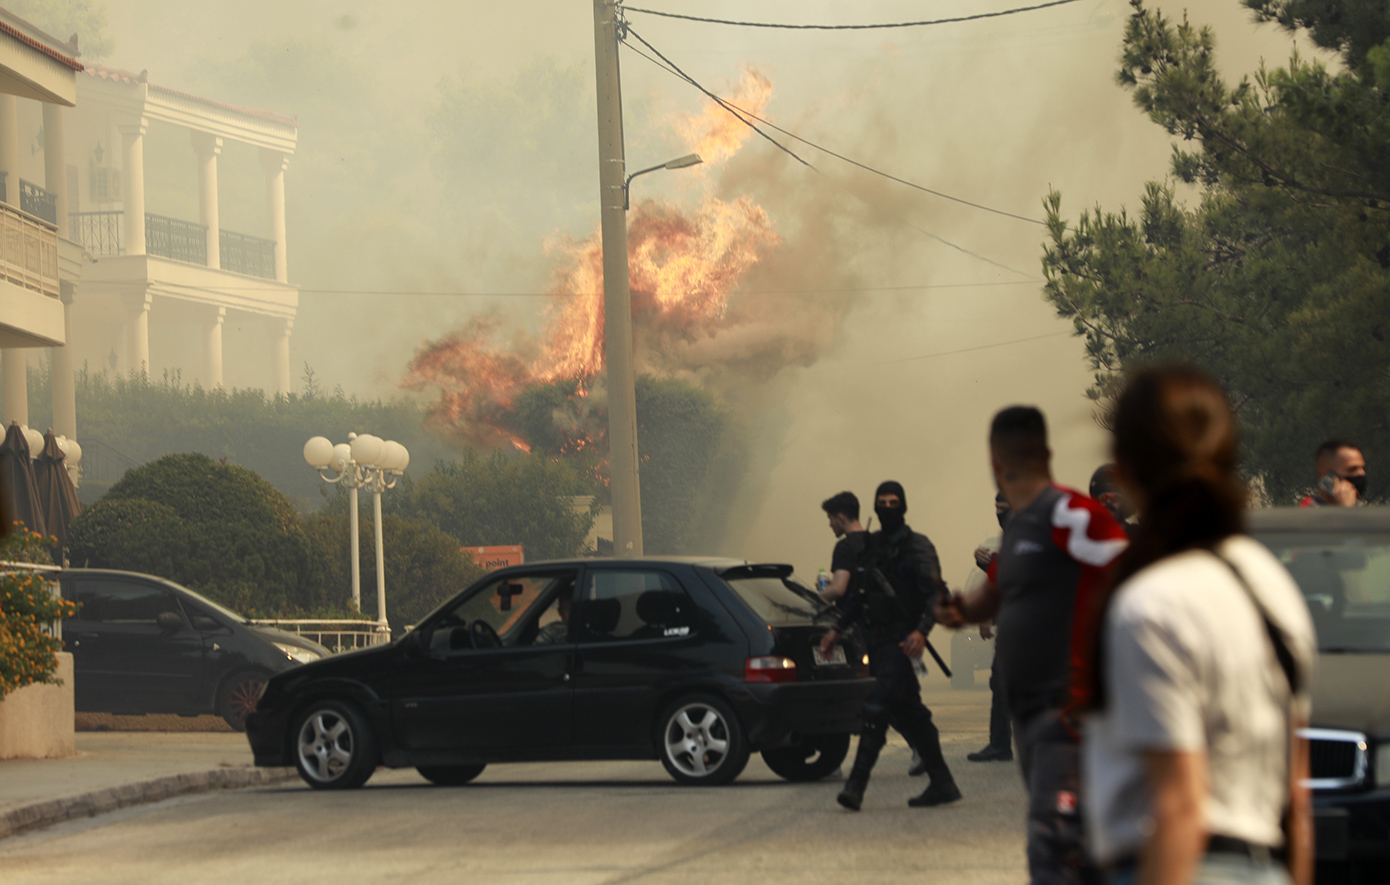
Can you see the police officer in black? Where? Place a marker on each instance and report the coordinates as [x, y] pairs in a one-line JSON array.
[[891, 596]]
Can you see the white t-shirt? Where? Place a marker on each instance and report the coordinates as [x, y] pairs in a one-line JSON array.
[[1189, 666]]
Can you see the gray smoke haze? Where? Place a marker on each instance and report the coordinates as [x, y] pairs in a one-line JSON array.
[[442, 145]]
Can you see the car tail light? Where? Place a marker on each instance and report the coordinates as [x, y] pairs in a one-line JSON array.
[[864, 665], [769, 668]]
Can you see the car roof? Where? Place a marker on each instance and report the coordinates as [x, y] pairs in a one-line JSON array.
[[1319, 519], [714, 563]]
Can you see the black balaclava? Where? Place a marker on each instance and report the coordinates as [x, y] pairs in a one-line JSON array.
[[890, 518], [1358, 483]]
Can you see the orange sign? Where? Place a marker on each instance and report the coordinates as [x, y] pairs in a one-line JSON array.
[[493, 558]]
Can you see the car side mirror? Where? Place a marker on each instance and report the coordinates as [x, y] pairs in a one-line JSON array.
[[169, 622]]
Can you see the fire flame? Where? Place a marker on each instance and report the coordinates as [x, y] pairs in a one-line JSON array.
[[683, 267]]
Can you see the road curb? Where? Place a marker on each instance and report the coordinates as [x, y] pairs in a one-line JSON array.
[[56, 811]]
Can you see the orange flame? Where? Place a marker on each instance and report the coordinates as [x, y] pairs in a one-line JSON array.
[[717, 134]]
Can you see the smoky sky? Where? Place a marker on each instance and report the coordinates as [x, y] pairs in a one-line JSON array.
[[443, 145]]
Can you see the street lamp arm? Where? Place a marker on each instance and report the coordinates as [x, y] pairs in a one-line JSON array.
[[677, 163]]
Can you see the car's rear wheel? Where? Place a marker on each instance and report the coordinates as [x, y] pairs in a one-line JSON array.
[[334, 747], [238, 696], [450, 775], [809, 759], [701, 741]]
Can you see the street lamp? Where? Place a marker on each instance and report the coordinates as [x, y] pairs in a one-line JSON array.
[[363, 462], [677, 163]]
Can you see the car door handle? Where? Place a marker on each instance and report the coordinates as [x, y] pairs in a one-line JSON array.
[[567, 677], [87, 635]]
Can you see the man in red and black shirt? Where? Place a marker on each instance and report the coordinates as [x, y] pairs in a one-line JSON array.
[[1042, 589]]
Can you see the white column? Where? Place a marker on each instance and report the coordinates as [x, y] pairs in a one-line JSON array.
[[55, 168], [275, 163], [280, 354], [212, 347], [64, 382], [207, 147], [9, 147], [15, 365], [133, 186], [138, 336]]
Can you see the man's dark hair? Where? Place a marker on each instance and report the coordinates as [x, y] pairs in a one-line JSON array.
[[845, 504], [1018, 436], [1332, 447]]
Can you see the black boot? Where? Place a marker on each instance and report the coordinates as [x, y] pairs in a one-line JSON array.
[[943, 790], [871, 741]]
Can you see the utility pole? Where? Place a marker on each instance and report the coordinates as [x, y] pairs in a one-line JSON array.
[[617, 296]]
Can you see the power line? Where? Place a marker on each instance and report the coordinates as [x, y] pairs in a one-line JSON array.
[[927, 356], [947, 242], [731, 107], [627, 29], [916, 24]]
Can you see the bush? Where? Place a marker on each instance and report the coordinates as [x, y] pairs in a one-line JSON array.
[[482, 502], [213, 527], [28, 654]]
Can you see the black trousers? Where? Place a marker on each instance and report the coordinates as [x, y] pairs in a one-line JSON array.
[[1050, 759], [897, 698]]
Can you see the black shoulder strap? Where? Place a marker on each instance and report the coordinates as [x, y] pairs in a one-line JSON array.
[[1276, 635]]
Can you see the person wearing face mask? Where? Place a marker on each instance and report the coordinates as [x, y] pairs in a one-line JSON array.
[[1341, 475], [892, 595]]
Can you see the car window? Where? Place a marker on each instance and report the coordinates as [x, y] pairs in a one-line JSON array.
[[1345, 579], [508, 605], [199, 618], [123, 602], [618, 604], [779, 602]]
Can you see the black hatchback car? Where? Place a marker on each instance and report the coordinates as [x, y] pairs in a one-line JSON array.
[[141, 644], [697, 662]]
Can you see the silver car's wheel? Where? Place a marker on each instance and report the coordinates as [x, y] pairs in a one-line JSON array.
[[702, 741], [334, 746]]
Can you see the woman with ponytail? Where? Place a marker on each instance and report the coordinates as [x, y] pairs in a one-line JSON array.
[[1191, 766]]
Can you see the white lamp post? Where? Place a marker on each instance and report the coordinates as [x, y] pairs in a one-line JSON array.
[[364, 461]]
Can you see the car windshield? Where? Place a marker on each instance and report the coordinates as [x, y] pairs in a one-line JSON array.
[[1345, 580], [208, 603], [779, 602]]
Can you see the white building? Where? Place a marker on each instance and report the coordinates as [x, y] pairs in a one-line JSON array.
[[39, 269], [170, 283]]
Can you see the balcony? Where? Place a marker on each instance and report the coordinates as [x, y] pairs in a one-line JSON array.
[[28, 251], [100, 234], [33, 199]]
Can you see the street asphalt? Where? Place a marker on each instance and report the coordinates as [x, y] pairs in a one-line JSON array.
[[596, 822]]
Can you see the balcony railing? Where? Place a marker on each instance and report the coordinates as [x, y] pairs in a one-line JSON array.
[[252, 256], [38, 202], [179, 240], [28, 251], [100, 234]]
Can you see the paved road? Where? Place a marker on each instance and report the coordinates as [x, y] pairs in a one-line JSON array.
[[606, 822]]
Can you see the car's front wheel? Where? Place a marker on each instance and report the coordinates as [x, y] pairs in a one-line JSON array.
[[701, 741], [450, 775], [334, 747], [238, 696], [809, 759]]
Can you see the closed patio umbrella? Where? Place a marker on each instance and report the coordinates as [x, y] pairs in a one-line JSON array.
[[57, 495], [20, 499]]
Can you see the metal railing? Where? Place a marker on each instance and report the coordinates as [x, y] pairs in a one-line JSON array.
[[97, 232], [38, 202], [336, 636], [28, 251], [252, 256], [104, 463], [176, 239]]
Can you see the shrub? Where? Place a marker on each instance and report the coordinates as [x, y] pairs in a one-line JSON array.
[[216, 528], [28, 653]]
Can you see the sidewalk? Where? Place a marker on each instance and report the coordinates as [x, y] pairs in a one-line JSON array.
[[118, 769]]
